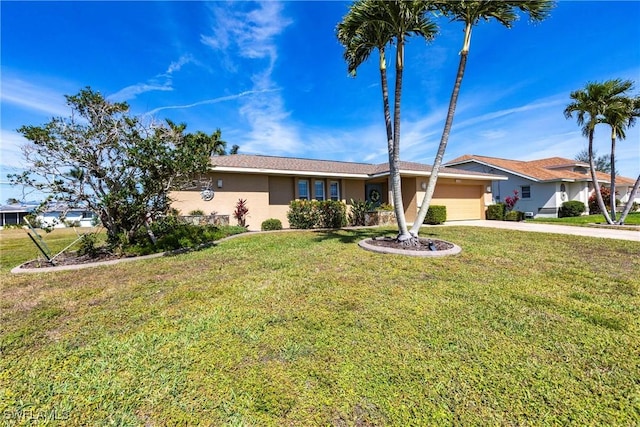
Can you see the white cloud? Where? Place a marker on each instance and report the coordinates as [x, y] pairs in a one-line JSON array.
[[250, 35], [30, 96], [208, 101], [161, 82]]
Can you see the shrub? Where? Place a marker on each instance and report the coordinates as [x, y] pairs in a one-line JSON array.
[[606, 198], [197, 212], [514, 216], [358, 210], [571, 208], [436, 215], [241, 212], [88, 245], [307, 214], [333, 214], [302, 214], [510, 202], [271, 224], [496, 212], [385, 207]]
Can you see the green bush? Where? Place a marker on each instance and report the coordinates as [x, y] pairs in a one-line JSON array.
[[385, 207], [571, 209], [358, 210], [197, 212], [496, 212], [333, 214], [88, 245], [271, 224], [302, 214], [306, 214], [436, 215], [514, 216], [171, 234]]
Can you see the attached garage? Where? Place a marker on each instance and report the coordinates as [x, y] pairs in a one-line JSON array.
[[462, 201]]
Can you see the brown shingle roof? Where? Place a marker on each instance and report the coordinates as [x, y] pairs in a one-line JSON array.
[[260, 163], [549, 169]]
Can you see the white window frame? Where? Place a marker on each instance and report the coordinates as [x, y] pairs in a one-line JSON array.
[[337, 187], [302, 196], [320, 196]]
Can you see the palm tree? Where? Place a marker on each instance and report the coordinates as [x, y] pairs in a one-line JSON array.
[[470, 13], [590, 105], [620, 115], [371, 25]]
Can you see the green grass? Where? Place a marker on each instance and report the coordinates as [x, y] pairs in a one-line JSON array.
[[632, 219], [307, 329]]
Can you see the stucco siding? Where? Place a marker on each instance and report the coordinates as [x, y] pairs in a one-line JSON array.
[[409, 198]]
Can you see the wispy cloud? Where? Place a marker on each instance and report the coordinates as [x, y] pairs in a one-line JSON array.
[[30, 96], [210, 101], [244, 32], [160, 82]]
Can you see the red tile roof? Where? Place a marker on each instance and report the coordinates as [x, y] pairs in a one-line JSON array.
[[549, 169]]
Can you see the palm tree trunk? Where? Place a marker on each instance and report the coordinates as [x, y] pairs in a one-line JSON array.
[[594, 179], [394, 152], [612, 202], [444, 139], [632, 197]]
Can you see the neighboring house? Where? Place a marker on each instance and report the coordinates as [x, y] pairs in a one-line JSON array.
[[15, 213], [269, 184], [543, 185]]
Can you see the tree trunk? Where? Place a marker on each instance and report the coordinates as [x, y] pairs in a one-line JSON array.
[[612, 202], [394, 152], [594, 179], [444, 139], [632, 197]]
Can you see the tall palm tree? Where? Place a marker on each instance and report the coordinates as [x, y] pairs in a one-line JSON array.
[[590, 105], [620, 115], [374, 24], [470, 13]]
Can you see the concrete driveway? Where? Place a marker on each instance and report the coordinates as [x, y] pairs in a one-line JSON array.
[[602, 232]]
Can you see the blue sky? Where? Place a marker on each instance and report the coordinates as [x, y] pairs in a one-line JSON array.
[[271, 76]]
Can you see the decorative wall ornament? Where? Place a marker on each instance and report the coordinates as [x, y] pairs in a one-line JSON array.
[[207, 194]]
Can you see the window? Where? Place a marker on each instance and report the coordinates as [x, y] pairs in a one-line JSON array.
[[526, 192], [334, 190], [319, 190], [303, 189]]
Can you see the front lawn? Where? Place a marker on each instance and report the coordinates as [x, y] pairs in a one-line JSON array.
[[632, 219], [305, 328]]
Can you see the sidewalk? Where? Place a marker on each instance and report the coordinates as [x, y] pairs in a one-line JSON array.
[[602, 232]]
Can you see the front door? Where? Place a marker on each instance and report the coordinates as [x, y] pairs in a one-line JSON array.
[[374, 194]]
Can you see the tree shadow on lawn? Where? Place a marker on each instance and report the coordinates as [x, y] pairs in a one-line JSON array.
[[354, 235]]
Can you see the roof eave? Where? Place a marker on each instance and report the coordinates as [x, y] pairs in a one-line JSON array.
[[266, 171]]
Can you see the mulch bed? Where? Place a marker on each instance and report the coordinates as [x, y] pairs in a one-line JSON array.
[[71, 258], [423, 244]]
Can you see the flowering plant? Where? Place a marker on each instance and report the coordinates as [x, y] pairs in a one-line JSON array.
[[510, 202]]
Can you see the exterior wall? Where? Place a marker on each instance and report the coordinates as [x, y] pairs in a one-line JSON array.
[[352, 189], [281, 193], [270, 196], [253, 188], [53, 219], [409, 199]]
